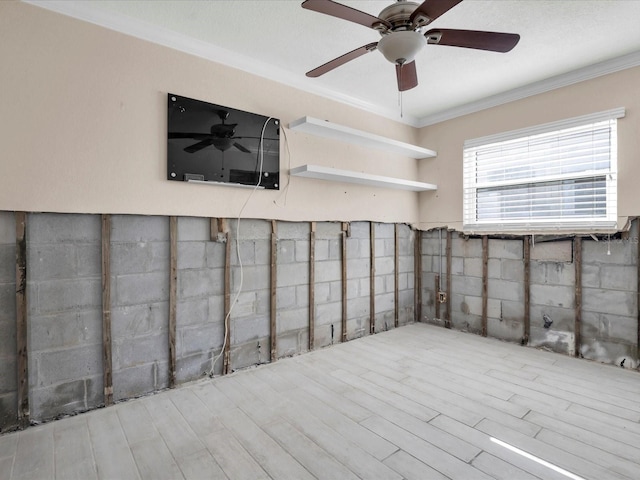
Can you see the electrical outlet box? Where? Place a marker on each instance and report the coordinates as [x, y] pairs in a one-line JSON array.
[[442, 297]]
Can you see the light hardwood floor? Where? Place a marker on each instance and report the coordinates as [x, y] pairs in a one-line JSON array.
[[419, 402]]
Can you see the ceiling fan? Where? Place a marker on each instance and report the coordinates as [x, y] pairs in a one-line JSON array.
[[402, 28], [221, 136]]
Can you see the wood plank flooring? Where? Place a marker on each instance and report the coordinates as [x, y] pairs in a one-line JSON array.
[[419, 402]]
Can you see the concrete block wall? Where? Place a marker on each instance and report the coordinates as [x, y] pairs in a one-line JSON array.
[[359, 283], [65, 311], [328, 283], [292, 288], [64, 308], [609, 272], [385, 278], [139, 304], [8, 377], [406, 274], [200, 300]]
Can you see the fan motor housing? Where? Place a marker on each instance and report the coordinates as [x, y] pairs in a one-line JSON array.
[[398, 15]]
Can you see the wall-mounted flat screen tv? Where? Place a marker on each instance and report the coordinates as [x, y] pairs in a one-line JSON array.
[[213, 143]]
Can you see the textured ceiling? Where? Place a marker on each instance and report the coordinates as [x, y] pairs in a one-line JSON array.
[[282, 41]]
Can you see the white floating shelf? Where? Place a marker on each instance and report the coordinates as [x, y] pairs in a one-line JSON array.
[[327, 129], [336, 175]]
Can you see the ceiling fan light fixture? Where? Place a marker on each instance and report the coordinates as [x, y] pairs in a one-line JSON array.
[[401, 47]]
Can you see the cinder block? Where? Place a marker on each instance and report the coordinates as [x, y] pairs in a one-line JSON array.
[[616, 252], [613, 302], [384, 265], [141, 288], [191, 255], [358, 268], [202, 338], [504, 290], [335, 249], [251, 229], [194, 229], [561, 251], [328, 230], [467, 285], [60, 295], [360, 230], [509, 330], [457, 266], [558, 341], [8, 305], [286, 297], [89, 260], [384, 302], [127, 258], [286, 251], [195, 366], [8, 412], [328, 271], [248, 354], [66, 365], [48, 262], [200, 283], [385, 230], [294, 230], [7, 263], [193, 312], [140, 379], [328, 313], [136, 228], [460, 247], [358, 307], [494, 268], [67, 329], [506, 249], [406, 264], [292, 343], [473, 267], [553, 295], [552, 273], [591, 275], [321, 250], [291, 274], [353, 291], [512, 270], [609, 352], [563, 318], [302, 251], [56, 228], [139, 320], [619, 277], [8, 377], [128, 352], [249, 329], [291, 320], [65, 398], [215, 254], [254, 277], [512, 311], [247, 252]]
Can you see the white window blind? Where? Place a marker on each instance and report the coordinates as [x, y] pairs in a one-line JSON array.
[[560, 176]]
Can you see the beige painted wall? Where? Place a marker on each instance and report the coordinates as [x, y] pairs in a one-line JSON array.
[[83, 129], [622, 89]]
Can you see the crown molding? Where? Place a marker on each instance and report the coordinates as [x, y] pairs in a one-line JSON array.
[[81, 10], [596, 70]]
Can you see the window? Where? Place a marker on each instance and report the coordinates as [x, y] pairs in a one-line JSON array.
[[558, 176]]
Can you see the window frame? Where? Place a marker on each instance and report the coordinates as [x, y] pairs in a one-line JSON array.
[[529, 224]]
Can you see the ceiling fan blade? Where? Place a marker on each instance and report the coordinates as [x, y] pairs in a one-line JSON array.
[[341, 60], [194, 136], [196, 147], [493, 41], [407, 76], [241, 148], [328, 7], [432, 9]]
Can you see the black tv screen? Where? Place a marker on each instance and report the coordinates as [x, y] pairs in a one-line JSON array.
[[213, 143]]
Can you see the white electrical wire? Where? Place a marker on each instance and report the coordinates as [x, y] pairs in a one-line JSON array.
[[228, 315]]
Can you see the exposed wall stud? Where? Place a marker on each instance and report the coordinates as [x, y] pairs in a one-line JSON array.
[[447, 318], [274, 282], [21, 319], [577, 260], [436, 296], [527, 291], [345, 232], [312, 285], [637, 240], [372, 278], [173, 289], [417, 271], [396, 263], [485, 283], [226, 348], [107, 366]]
